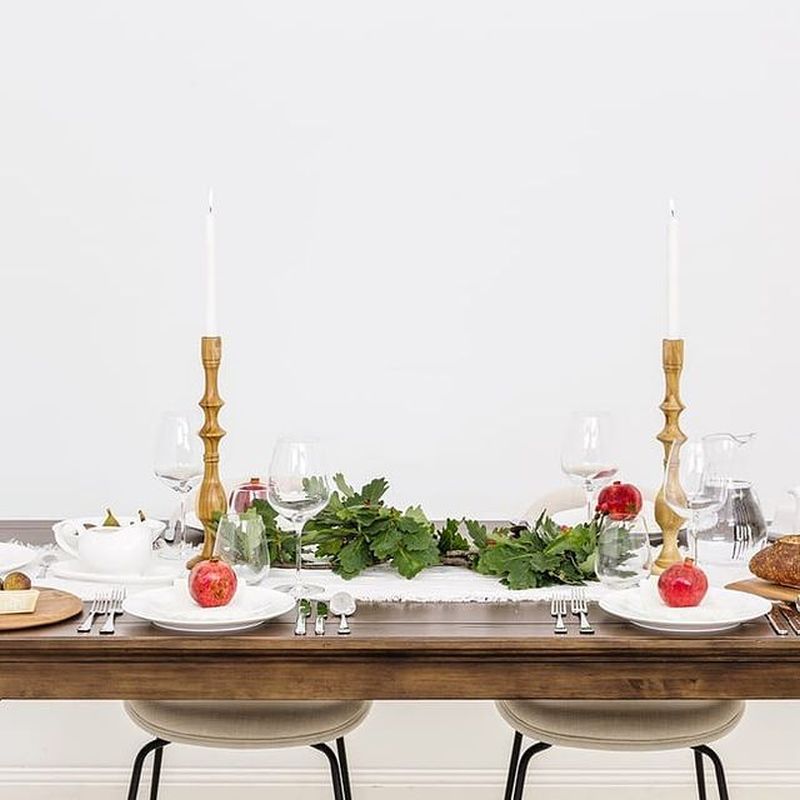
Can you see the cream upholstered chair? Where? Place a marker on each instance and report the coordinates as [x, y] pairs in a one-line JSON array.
[[619, 725], [614, 725], [251, 724]]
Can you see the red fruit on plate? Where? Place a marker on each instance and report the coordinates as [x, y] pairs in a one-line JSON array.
[[242, 496], [212, 583], [683, 585], [621, 502]]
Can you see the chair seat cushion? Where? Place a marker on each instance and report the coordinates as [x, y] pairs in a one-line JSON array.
[[623, 724], [248, 723]]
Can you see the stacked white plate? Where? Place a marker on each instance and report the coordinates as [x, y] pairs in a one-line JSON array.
[[160, 572], [720, 610], [14, 556], [173, 608]]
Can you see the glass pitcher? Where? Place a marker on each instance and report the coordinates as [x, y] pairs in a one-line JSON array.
[[739, 529]]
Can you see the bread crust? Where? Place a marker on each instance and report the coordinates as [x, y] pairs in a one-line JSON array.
[[780, 562]]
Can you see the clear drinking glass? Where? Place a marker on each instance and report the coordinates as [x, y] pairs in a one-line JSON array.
[[178, 463], [241, 542], [587, 455], [700, 490], [298, 488], [623, 554]]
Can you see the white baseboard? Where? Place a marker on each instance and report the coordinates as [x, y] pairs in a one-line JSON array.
[[248, 784]]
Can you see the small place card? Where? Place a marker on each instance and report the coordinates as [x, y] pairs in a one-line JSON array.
[[18, 602]]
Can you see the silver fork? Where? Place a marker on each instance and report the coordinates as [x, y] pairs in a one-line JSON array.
[[580, 608], [114, 610], [97, 609], [741, 534], [558, 608]]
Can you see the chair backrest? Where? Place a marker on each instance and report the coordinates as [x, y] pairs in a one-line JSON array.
[[567, 498]]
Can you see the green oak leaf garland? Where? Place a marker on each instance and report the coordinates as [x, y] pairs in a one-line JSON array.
[[357, 530]]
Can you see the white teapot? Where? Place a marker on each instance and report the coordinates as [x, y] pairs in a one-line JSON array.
[[123, 550]]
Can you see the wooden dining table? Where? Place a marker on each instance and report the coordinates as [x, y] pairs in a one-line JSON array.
[[409, 650]]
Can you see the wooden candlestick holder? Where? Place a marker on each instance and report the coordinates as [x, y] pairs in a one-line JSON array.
[[212, 498], [672, 406]]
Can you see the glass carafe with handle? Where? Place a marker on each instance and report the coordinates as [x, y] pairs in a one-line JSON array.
[[740, 529]]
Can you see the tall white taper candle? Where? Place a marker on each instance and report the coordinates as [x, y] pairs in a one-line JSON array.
[[673, 285], [211, 270]]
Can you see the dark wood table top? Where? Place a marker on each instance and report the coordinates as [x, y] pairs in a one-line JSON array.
[[396, 651]]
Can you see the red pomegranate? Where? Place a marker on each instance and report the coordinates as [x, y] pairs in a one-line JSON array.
[[621, 502], [212, 583], [242, 496], [683, 585]]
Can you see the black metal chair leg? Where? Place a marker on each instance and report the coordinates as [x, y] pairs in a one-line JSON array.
[[138, 763], [155, 777], [512, 765], [336, 776], [700, 771], [344, 769], [522, 769], [719, 770]]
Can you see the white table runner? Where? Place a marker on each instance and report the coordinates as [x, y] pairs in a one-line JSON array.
[[382, 584]]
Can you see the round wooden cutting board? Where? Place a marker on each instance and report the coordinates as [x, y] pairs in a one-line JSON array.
[[53, 605]]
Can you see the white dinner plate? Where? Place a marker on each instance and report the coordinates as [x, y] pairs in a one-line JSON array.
[[720, 610], [14, 556], [160, 572], [173, 608]]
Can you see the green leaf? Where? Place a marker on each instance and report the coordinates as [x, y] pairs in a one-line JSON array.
[[411, 562], [450, 538], [477, 532], [341, 484], [353, 558], [385, 543], [372, 492]]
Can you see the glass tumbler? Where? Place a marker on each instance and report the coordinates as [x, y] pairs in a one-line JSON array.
[[623, 555], [241, 542]]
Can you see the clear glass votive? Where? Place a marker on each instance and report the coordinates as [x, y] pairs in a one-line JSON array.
[[623, 554], [241, 542]]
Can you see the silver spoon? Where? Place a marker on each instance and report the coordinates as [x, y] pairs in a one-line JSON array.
[[343, 605]]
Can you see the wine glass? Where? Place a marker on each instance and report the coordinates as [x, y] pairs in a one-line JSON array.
[[694, 486], [178, 463], [298, 488], [586, 456], [242, 543]]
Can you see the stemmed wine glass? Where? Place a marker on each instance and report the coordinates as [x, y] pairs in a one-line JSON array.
[[298, 488], [586, 455], [178, 463], [701, 487]]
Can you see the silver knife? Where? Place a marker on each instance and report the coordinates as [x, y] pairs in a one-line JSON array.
[[303, 612], [792, 617], [776, 625], [322, 618]]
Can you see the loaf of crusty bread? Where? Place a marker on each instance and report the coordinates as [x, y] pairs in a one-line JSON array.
[[780, 562]]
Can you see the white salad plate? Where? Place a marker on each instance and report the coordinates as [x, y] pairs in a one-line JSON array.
[[14, 556], [160, 572], [173, 608], [720, 610]]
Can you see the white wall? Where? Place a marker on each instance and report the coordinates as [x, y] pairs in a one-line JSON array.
[[441, 228]]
